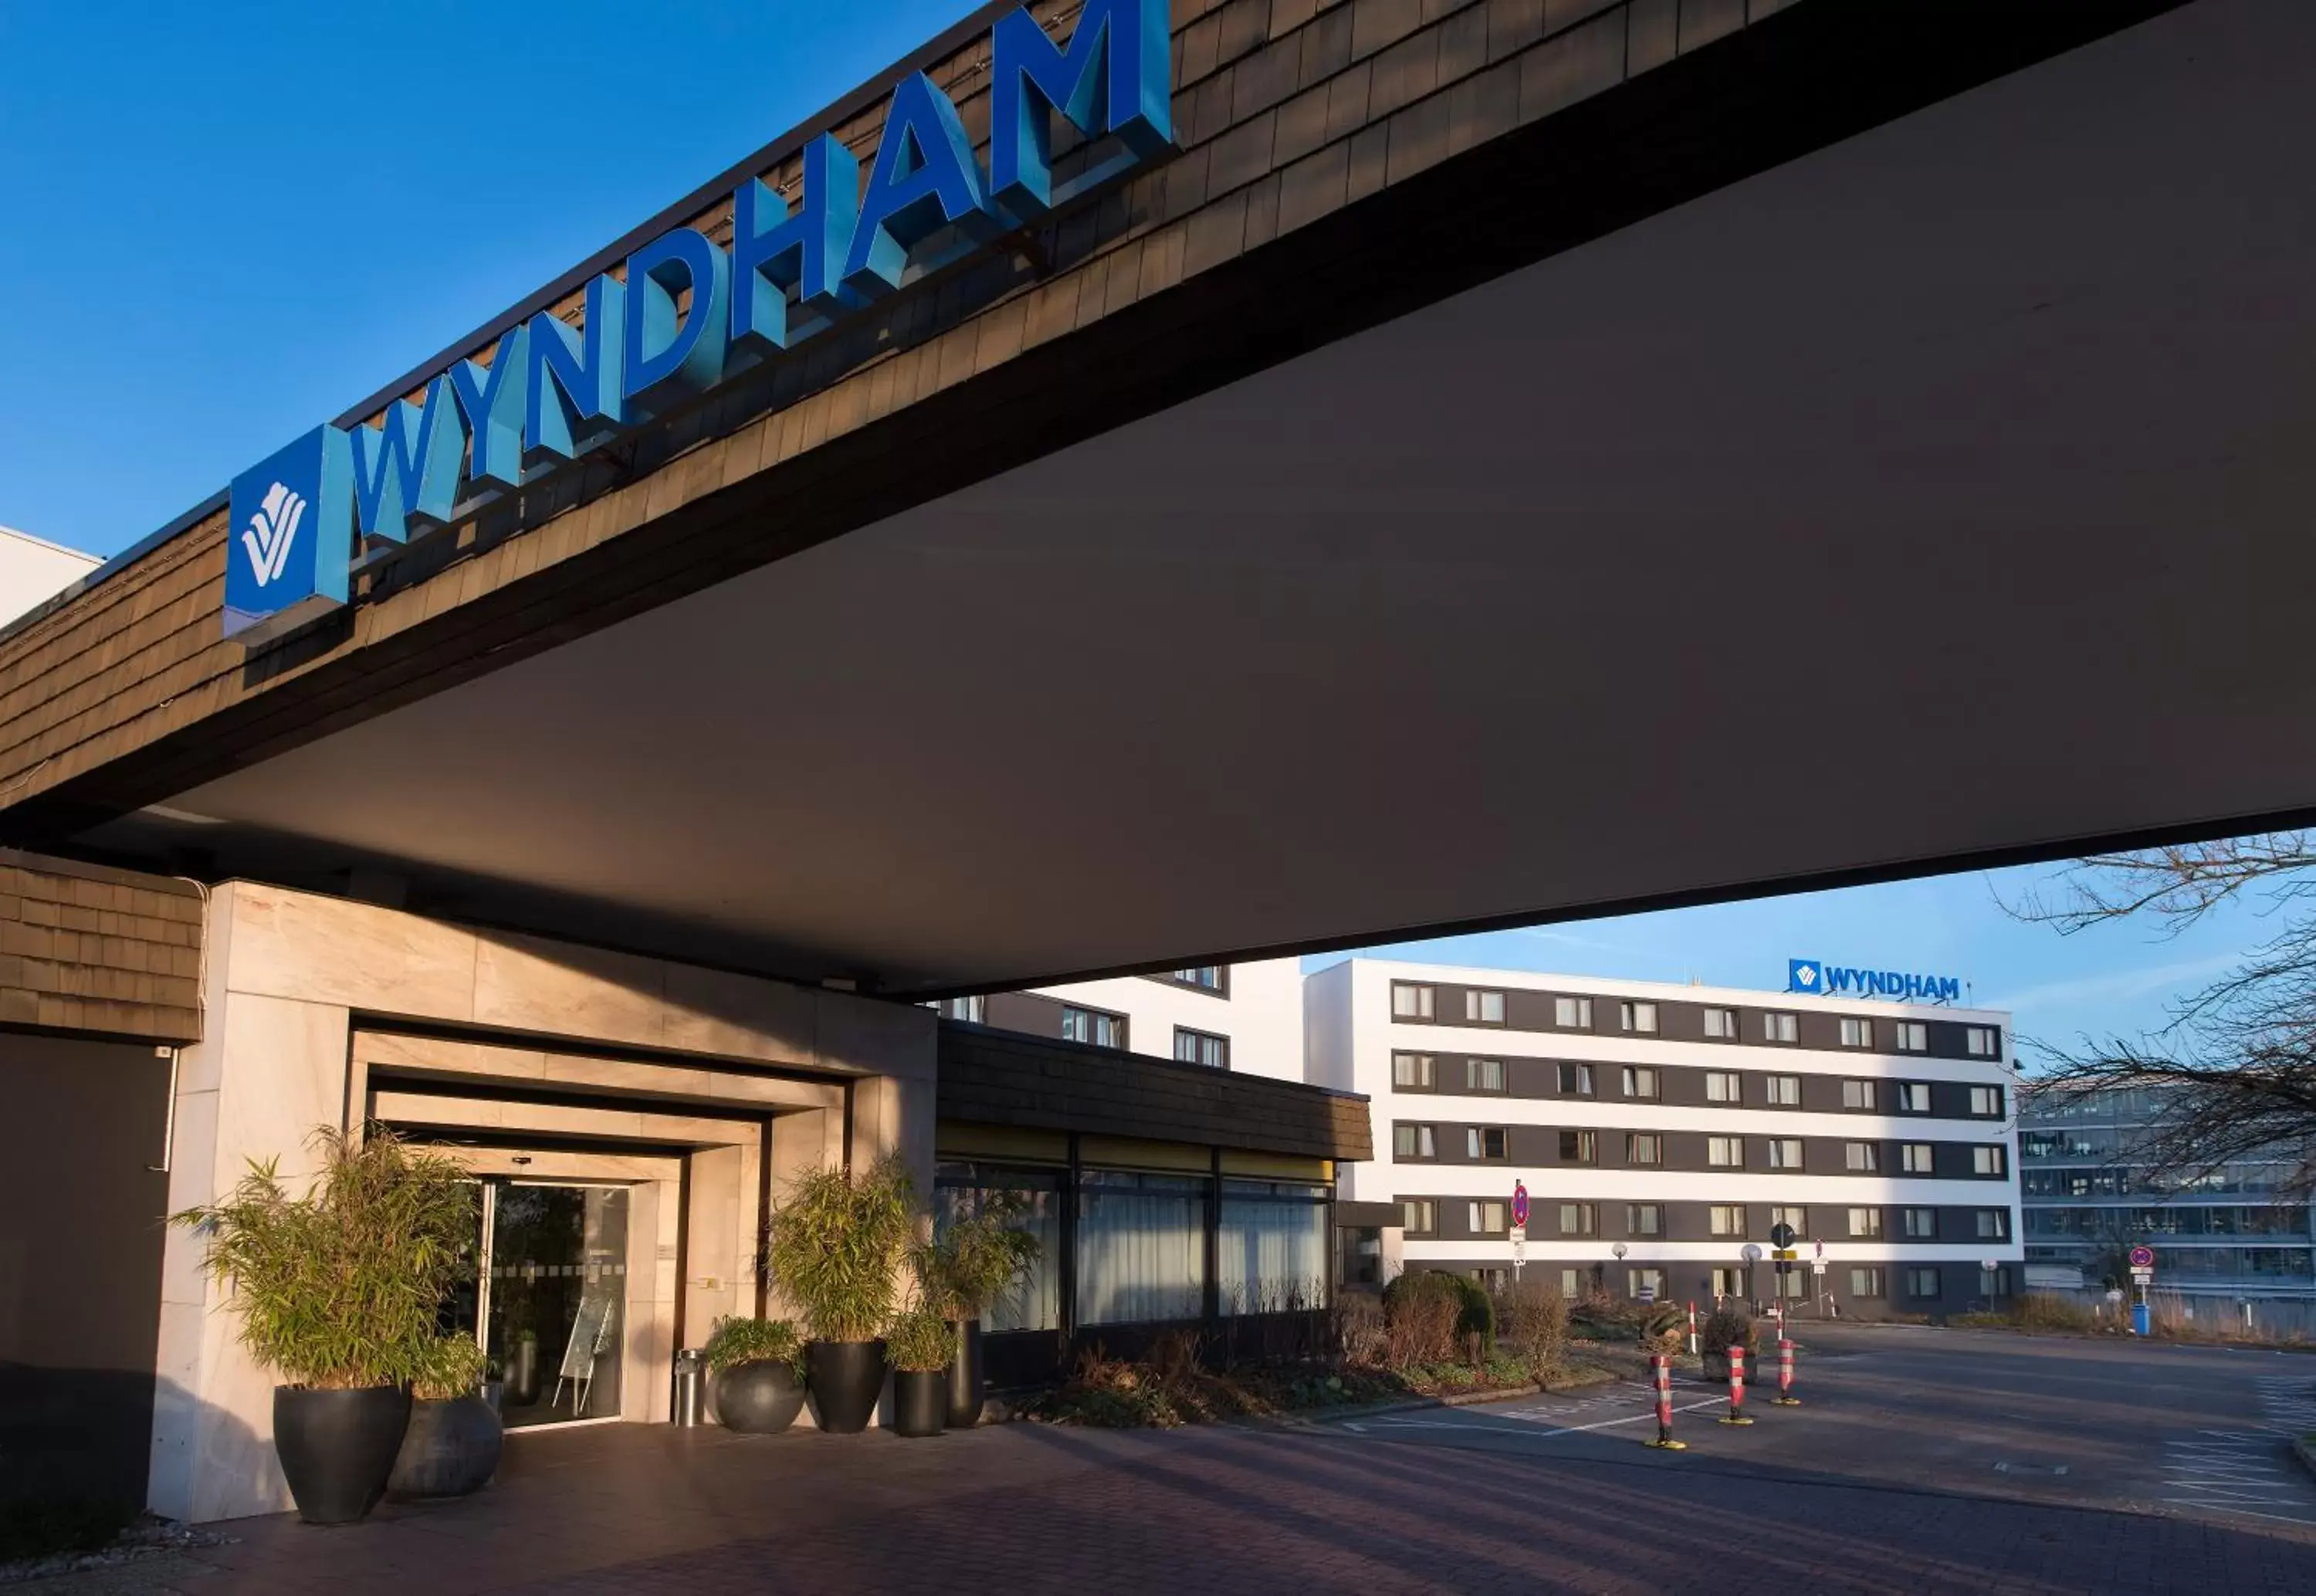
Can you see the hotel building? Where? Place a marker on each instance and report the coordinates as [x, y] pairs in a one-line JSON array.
[[1661, 1130]]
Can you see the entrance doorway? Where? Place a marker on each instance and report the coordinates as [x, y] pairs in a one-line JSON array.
[[551, 1306]]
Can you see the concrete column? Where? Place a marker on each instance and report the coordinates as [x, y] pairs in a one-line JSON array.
[[265, 1074]]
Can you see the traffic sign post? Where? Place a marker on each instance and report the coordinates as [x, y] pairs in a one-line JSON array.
[[1519, 1228], [2143, 1275]]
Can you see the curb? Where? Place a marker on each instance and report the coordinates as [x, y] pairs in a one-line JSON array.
[[2305, 1452], [1374, 1410]]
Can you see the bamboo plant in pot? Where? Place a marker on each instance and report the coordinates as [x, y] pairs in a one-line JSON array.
[[758, 1369], [978, 1256], [922, 1345], [835, 1245], [337, 1291], [452, 1445]]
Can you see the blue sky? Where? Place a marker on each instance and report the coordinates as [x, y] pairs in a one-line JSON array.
[[238, 220]]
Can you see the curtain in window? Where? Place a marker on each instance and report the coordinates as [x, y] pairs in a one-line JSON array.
[[1272, 1250], [962, 1189], [1142, 1247]]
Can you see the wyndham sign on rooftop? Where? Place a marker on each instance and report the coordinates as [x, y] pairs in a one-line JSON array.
[[552, 393], [1819, 978]]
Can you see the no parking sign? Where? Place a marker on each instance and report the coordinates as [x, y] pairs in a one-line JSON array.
[[1519, 1204]]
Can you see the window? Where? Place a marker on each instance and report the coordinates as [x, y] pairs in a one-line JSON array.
[[1986, 1102], [1785, 1152], [1865, 1222], [1572, 1014], [1725, 1152], [1798, 1218], [1858, 1033], [1409, 1002], [1576, 1080], [1484, 1008], [1649, 1283], [1921, 1224], [1792, 1283], [973, 1009], [1484, 1143], [1493, 1278], [1865, 1282], [1726, 1218], [1412, 1141], [1637, 1017], [1994, 1282], [1994, 1224], [1572, 1282], [1782, 1091], [1091, 1024], [1413, 1071], [1419, 1216], [1579, 1147], [1912, 1036], [1141, 1246], [1919, 1157], [1645, 1218], [1728, 1282], [1723, 1086], [1721, 1024], [1580, 1219], [1921, 1283], [1857, 1093], [1780, 1027], [1981, 1041], [1488, 1217], [1271, 1246], [1484, 1075], [1207, 978], [1201, 1047], [1861, 1158], [1643, 1148], [1913, 1097], [1640, 1082], [1987, 1160]]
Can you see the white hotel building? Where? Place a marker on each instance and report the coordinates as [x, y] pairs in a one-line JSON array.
[[1677, 1124]]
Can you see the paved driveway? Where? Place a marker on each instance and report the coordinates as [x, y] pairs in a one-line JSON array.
[[1829, 1496]]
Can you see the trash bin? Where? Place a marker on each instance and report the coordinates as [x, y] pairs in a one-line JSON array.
[[690, 1386]]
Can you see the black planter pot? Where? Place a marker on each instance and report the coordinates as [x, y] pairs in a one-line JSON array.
[[338, 1448], [759, 1397], [965, 1390], [451, 1449], [920, 1401], [847, 1377]]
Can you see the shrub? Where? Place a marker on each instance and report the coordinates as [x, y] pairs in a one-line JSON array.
[[2041, 1311], [1726, 1328], [921, 1341], [1420, 1311], [1532, 1324], [1362, 1336], [451, 1366], [836, 1245], [1476, 1319], [978, 1256], [736, 1340], [339, 1289]]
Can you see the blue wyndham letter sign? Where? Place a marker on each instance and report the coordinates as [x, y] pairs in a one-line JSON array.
[[288, 541], [687, 312]]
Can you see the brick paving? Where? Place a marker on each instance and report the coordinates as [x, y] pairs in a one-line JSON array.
[[633, 1512]]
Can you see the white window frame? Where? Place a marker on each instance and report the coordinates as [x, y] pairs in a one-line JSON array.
[[1583, 1076], [1909, 1036], [1422, 1141], [1641, 1083], [1725, 1152], [1634, 1145], [1728, 1083], [1484, 1209], [1483, 1007], [1920, 1224], [1860, 1094], [1637, 1017], [1782, 1091], [1477, 1070], [1777, 1026], [1788, 1154], [1918, 1157], [1865, 1224], [1862, 1157], [1725, 1220], [1981, 1041], [1986, 1102], [1987, 1159], [1857, 1033], [1645, 1220], [1475, 1143], [1572, 1014], [1721, 1024], [1412, 1000], [1417, 1079], [1425, 1211]]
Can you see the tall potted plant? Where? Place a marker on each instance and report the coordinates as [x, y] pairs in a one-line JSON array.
[[452, 1445], [922, 1345], [837, 1242], [978, 1256], [758, 1366], [337, 1293]]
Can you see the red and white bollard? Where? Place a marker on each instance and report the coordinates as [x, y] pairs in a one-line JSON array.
[[1660, 1375], [1784, 1396], [1692, 1329], [1736, 1413]]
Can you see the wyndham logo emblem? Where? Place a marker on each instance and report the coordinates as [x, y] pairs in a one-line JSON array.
[[272, 530], [1805, 975]]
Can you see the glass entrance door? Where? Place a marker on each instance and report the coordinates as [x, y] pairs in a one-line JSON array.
[[554, 1299]]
